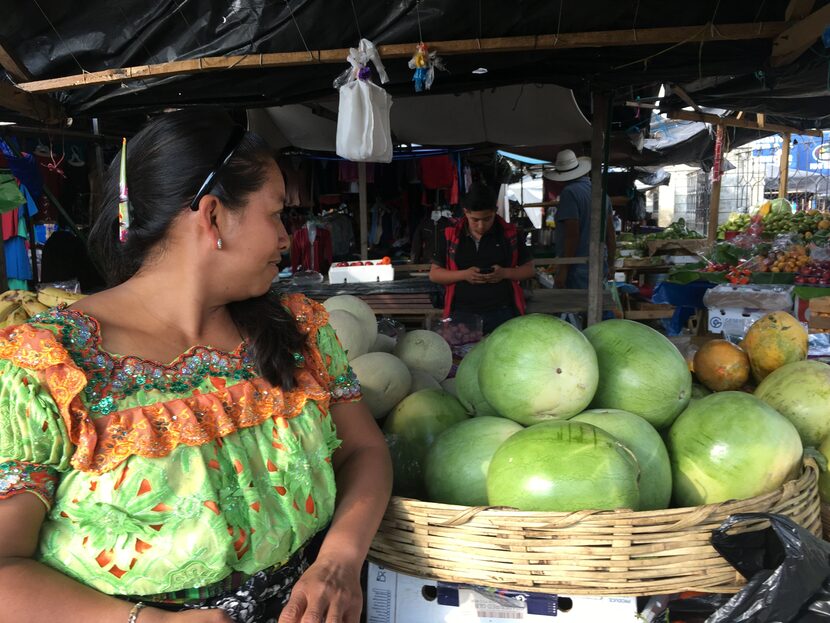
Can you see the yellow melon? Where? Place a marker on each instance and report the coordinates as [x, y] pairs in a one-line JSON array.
[[721, 366], [774, 341]]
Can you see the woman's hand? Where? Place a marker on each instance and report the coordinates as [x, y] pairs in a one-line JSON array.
[[328, 592]]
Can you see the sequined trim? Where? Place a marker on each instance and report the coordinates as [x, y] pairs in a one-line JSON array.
[[112, 378], [18, 477], [346, 388], [154, 431]]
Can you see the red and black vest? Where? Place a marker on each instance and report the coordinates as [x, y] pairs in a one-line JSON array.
[[453, 236]]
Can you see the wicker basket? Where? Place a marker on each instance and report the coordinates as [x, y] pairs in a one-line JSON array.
[[825, 521], [587, 552]]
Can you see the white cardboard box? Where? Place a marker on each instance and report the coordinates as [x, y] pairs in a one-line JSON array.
[[398, 598], [733, 320], [361, 274]]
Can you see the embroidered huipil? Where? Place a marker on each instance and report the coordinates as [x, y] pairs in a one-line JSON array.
[[164, 478]]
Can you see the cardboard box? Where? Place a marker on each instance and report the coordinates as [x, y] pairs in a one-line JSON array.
[[398, 598], [361, 274], [805, 307], [734, 321]]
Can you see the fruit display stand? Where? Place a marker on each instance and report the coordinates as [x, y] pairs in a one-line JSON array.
[[412, 301], [681, 247], [580, 553]]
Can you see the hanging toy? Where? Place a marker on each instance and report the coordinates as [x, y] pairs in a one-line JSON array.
[[420, 63], [424, 63]]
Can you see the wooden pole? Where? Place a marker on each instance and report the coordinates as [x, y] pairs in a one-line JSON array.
[[562, 41], [714, 197], [736, 122], [595, 254], [784, 177], [364, 211]]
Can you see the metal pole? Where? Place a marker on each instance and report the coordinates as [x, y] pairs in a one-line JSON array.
[[714, 198], [364, 211], [595, 256], [784, 177]]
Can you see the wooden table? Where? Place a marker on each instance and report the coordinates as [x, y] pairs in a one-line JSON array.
[[560, 301]]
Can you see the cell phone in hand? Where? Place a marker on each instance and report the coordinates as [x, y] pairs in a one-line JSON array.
[[486, 271]]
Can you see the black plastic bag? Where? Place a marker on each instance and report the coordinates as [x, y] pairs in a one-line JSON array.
[[787, 571]]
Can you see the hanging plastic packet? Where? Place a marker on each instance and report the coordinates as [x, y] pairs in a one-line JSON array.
[[364, 131], [425, 63]]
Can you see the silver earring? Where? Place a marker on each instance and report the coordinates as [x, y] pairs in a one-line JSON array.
[[219, 243]]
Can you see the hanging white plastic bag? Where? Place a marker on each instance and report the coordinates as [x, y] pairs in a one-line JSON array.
[[364, 132]]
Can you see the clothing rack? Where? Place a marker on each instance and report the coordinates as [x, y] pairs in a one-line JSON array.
[[32, 245]]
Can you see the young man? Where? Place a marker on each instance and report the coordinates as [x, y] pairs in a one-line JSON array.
[[573, 219], [481, 260]]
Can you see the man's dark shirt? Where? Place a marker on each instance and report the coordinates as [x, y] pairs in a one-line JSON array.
[[493, 249]]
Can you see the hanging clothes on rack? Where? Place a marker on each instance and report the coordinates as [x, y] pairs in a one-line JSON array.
[[16, 241], [349, 173], [297, 186], [440, 173], [311, 254], [24, 167], [425, 238], [341, 227]]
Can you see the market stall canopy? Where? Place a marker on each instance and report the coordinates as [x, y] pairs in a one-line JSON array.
[[512, 115], [711, 47], [667, 142]]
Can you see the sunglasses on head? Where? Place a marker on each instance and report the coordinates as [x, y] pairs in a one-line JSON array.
[[228, 151]]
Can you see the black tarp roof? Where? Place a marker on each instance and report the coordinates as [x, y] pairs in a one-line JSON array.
[[58, 38]]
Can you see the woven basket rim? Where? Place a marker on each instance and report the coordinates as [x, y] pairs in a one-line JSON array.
[[584, 552], [464, 514]]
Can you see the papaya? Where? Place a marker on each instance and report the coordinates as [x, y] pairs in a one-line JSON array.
[[774, 341], [721, 366]]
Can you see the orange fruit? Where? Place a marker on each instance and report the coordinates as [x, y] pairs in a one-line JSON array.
[[721, 366]]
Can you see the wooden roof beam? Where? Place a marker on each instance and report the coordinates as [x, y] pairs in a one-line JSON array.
[[682, 94], [798, 9], [39, 107], [734, 122], [562, 41], [798, 38], [13, 65]]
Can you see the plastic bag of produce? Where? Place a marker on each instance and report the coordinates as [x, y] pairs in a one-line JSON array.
[[460, 330], [786, 567]]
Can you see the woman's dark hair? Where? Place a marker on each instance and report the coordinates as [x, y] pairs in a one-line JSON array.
[[167, 161], [479, 198]]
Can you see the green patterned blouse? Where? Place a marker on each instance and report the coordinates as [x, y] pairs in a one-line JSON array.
[[167, 478]]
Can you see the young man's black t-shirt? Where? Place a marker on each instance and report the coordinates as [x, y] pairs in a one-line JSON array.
[[492, 249]]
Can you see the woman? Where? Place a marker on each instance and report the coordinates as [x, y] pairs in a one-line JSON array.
[[198, 490]]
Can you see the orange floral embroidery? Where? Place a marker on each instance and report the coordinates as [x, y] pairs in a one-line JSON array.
[[155, 430]]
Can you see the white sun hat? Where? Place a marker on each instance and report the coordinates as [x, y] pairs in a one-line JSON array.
[[568, 167]]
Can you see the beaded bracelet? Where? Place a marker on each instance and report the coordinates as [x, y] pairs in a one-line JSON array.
[[135, 611]]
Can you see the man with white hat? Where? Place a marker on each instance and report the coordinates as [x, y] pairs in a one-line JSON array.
[[573, 219]]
